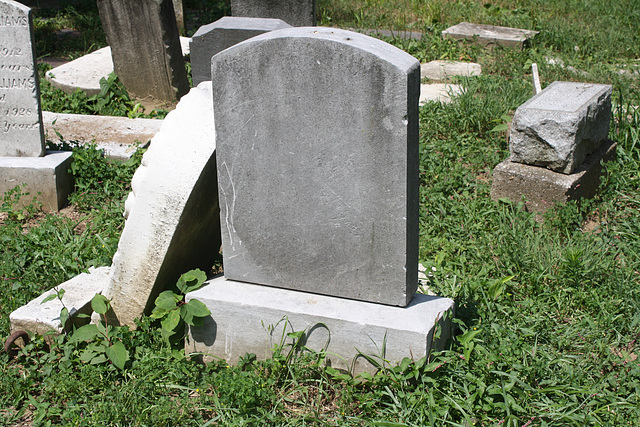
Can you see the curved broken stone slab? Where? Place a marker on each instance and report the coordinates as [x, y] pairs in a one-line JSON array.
[[559, 127], [173, 222]]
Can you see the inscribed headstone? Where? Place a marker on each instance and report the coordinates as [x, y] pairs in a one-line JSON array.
[[225, 32], [21, 133], [299, 13], [145, 47], [317, 152]]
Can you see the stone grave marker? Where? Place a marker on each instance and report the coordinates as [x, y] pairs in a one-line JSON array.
[[558, 142], [145, 47], [561, 125], [221, 34], [21, 133], [22, 150], [299, 13], [489, 35], [317, 156]]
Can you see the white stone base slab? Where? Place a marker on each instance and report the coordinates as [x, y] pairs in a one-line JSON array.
[[438, 92], [444, 70], [489, 35], [85, 72], [47, 175], [116, 136], [41, 318], [249, 318]]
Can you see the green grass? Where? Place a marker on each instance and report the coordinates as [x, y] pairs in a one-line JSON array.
[[547, 308]]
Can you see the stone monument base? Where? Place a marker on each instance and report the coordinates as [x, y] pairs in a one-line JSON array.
[[46, 175], [248, 318], [542, 188]]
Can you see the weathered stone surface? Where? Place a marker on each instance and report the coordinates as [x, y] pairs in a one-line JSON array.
[[20, 116], [542, 188], [178, 9], [489, 35], [85, 73], [444, 70], [118, 137], [173, 222], [47, 175], [438, 92], [561, 125], [317, 132], [42, 318], [242, 314], [145, 47], [225, 32], [299, 13]]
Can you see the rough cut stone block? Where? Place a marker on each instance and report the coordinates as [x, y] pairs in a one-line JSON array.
[[561, 125], [41, 318], [145, 47], [542, 188], [317, 132], [444, 70], [439, 92], [489, 35], [20, 115], [299, 13], [173, 222], [242, 314], [46, 178], [225, 32]]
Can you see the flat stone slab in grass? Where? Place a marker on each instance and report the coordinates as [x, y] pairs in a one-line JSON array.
[[85, 72], [396, 34], [444, 70], [561, 125], [346, 329], [489, 35], [438, 92], [118, 137], [41, 318], [542, 188], [47, 175], [20, 115]]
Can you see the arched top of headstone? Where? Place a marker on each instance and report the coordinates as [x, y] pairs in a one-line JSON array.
[[317, 154], [332, 36]]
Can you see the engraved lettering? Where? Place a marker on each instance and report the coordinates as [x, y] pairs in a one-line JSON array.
[[3, 97], [13, 21], [29, 83]]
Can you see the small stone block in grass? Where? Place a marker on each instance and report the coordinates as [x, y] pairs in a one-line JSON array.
[[542, 188], [559, 127], [41, 318], [489, 35], [445, 70]]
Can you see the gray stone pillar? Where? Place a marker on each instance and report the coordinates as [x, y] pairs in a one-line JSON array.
[[145, 47]]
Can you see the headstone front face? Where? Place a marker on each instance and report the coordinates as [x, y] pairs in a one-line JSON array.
[[225, 32], [299, 13], [145, 46], [317, 153], [21, 133]]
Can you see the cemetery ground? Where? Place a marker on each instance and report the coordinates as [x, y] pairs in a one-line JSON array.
[[547, 307]]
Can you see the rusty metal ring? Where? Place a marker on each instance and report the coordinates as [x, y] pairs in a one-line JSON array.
[[8, 345]]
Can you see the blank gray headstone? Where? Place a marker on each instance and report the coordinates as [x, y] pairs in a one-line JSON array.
[[21, 132], [317, 153], [299, 13], [225, 32]]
